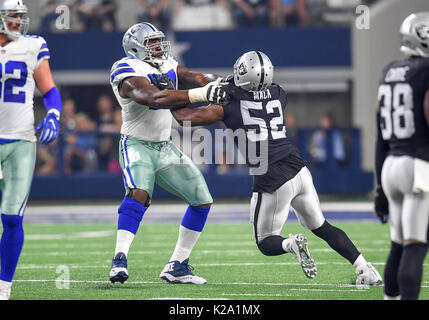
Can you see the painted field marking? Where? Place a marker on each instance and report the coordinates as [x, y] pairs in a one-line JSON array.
[[247, 264], [157, 252], [77, 235]]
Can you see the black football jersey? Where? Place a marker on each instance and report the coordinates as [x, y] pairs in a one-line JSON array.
[[260, 115], [401, 95]]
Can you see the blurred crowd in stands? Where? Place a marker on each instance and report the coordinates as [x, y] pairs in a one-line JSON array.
[[183, 15], [86, 145], [89, 145]]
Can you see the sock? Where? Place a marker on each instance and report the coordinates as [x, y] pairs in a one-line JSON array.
[[11, 244], [287, 245], [185, 243], [391, 285], [386, 297], [359, 261], [124, 239], [190, 229], [130, 215], [337, 240], [195, 218], [411, 270]]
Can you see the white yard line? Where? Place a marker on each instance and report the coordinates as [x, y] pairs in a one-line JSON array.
[[205, 265], [255, 295], [78, 235], [253, 252]]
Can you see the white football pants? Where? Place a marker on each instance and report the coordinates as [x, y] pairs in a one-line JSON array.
[[269, 211], [408, 210]]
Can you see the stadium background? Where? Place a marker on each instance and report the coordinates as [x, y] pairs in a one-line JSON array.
[[328, 65]]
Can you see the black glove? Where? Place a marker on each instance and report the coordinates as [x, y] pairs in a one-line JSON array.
[[216, 94], [162, 81], [381, 205]]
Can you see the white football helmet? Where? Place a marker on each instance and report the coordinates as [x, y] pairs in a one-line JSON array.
[[8, 7], [135, 44], [253, 71], [415, 35]]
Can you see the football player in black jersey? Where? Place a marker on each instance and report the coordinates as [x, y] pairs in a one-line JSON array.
[[282, 180], [402, 159]]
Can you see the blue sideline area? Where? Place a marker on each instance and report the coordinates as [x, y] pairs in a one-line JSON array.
[[211, 49]]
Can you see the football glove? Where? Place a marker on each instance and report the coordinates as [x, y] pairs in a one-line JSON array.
[[227, 79], [381, 205], [216, 94], [50, 128], [162, 81]]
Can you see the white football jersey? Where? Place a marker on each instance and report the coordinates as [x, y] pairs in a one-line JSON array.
[[139, 121], [18, 61]]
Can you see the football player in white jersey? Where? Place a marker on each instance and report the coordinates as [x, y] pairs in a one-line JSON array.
[[146, 154], [23, 65]]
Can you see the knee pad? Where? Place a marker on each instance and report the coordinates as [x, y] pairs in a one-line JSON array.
[[11, 223], [130, 214], [271, 245]]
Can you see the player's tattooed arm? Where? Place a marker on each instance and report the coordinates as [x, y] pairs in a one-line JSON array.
[[189, 79], [143, 92], [199, 116]]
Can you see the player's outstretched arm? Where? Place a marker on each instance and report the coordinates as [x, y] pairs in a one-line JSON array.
[[199, 116], [189, 79], [51, 99], [143, 92]]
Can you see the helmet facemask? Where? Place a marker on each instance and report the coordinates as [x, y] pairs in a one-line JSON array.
[[150, 51]]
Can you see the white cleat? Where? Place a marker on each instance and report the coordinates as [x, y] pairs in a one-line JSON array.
[[176, 272], [368, 276], [5, 288], [119, 272], [300, 249]]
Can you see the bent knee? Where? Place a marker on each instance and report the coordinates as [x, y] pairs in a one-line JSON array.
[[271, 245], [139, 195]]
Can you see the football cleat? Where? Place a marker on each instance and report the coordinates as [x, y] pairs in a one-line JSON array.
[[300, 249], [368, 276], [119, 272], [5, 290], [176, 272]]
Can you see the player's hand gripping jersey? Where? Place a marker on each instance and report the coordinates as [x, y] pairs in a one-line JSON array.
[[18, 61]]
